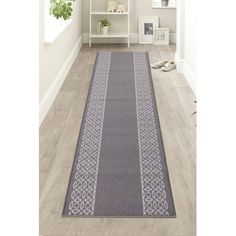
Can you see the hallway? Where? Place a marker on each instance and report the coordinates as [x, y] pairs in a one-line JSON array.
[[59, 133]]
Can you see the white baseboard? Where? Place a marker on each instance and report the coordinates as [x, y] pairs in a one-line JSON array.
[[172, 38], [133, 39], [179, 63], [190, 77], [184, 69], [52, 92]]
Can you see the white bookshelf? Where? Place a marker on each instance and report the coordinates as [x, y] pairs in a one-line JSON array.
[[95, 13]]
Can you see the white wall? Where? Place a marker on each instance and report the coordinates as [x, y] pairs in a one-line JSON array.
[[138, 8], [190, 44], [186, 44], [56, 58]]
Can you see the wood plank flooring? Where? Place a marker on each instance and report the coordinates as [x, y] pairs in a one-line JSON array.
[[59, 133]]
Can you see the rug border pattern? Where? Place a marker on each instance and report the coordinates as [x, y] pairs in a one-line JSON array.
[[83, 193], [152, 177]]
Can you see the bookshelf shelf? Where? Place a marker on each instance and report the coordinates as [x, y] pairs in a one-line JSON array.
[[107, 13], [163, 7], [110, 35]]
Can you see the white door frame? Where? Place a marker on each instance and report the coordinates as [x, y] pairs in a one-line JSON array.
[[180, 36]]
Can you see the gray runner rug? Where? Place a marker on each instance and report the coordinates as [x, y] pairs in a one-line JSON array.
[[120, 168]]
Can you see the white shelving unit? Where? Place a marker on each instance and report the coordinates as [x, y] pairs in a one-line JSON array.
[[112, 34]]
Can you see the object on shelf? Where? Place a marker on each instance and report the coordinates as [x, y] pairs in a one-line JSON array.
[[172, 3], [121, 8], [164, 3], [99, 28], [156, 3], [161, 36], [112, 6], [104, 23], [105, 29]]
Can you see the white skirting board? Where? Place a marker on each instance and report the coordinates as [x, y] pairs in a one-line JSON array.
[[184, 69], [52, 92], [133, 39], [179, 63], [190, 77]]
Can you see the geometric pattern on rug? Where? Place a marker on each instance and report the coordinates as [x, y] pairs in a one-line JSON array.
[[119, 167], [153, 186], [85, 177]]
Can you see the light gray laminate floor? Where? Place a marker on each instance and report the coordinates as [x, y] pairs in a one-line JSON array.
[[59, 133]]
